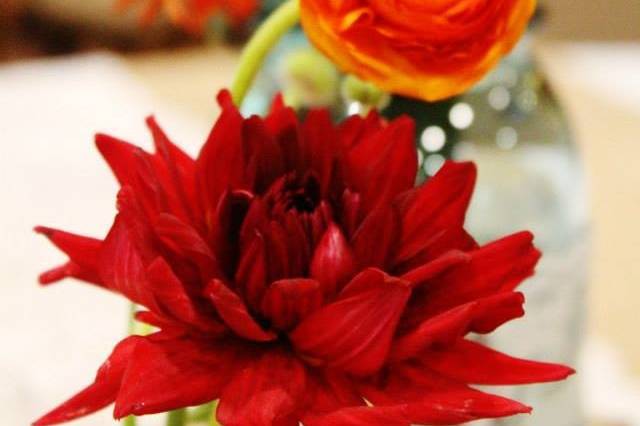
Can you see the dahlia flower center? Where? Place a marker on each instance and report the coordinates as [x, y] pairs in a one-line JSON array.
[[301, 195]]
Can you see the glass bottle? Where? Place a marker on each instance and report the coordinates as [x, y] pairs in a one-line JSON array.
[[530, 177]]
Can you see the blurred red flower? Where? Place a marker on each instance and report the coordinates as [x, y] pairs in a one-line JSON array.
[[295, 273], [192, 15]]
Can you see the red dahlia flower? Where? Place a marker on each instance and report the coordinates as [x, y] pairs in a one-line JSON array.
[[296, 274]]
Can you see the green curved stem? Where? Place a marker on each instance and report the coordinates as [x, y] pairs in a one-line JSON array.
[[129, 421], [263, 41], [177, 418], [131, 329]]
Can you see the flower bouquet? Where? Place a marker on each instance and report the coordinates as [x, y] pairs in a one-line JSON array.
[[294, 272]]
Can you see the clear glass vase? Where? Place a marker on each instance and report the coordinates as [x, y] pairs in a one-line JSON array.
[[530, 177]]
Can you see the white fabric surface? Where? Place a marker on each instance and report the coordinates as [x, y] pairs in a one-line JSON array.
[[53, 339]]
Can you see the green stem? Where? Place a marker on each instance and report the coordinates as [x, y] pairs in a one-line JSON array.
[[203, 414], [177, 418], [262, 42], [129, 421], [132, 324], [131, 329]]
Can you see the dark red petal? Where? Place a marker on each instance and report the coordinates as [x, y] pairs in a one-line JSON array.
[[355, 332], [282, 123], [376, 239], [473, 363], [185, 242], [251, 275], [235, 314], [161, 322], [363, 416], [167, 374], [255, 220], [481, 316], [494, 268], [424, 273], [100, 393], [287, 302], [330, 391], [356, 129], [263, 155], [298, 244], [225, 225], [384, 174], [321, 138], [220, 165], [277, 249], [138, 224], [270, 390], [133, 167], [438, 205], [180, 174], [122, 157], [368, 151], [429, 398], [333, 264], [351, 214], [173, 299], [83, 252], [122, 268], [448, 240], [433, 410]]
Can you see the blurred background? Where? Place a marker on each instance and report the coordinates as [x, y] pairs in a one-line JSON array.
[[69, 68]]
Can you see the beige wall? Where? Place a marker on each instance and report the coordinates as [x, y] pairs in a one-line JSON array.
[[593, 19]]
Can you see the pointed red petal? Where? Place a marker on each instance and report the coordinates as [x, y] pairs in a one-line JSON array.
[[178, 171], [424, 273], [330, 391], [287, 302], [265, 162], [269, 390], [133, 167], [235, 314], [251, 275], [482, 316], [367, 153], [83, 252], [282, 123], [121, 266], [122, 157], [161, 322], [225, 224], [494, 268], [356, 129], [473, 363], [355, 332], [167, 374], [376, 239], [100, 393], [429, 398], [321, 137], [172, 297], [185, 242], [221, 165], [384, 174], [438, 205], [333, 264], [361, 416], [138, 224]]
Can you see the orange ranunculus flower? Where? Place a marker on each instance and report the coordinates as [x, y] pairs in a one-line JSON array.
[[428, 49], [192, 15]]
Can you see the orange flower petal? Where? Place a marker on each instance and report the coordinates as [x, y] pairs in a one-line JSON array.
[[427, 50]]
